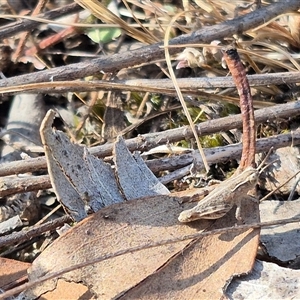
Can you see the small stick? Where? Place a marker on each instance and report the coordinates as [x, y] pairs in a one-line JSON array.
[[40, 5], [246, 103], [33, 231]]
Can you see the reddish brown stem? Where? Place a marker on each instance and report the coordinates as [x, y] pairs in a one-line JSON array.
[[246, 103], [50, 41], [41, 4]]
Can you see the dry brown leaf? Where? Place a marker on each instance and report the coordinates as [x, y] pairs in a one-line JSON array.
[[78, 178], [120, 226], [205, 268], [11, 272], [183, 270]]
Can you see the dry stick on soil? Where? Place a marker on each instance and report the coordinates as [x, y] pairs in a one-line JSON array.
[[182, 164], [75, 86], [151, 140], [164, 86], [33, 231], [146, 54], [193, 236], [18, 185]]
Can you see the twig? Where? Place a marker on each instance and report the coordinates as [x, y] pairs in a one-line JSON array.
[[164, 86], [153, 52], [151, 140], [15, 185], [33, 231], [238, 72], [217, 155]]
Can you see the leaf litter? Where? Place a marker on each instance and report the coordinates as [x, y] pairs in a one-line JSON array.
[[182, 271], [131, 223]]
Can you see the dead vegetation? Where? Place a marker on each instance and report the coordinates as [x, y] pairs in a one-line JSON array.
[[153, 73]]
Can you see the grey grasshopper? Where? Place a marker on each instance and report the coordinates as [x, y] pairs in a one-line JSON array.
[[222, 199]]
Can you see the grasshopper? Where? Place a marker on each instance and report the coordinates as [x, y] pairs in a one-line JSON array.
[[222, 199], [233, 190]]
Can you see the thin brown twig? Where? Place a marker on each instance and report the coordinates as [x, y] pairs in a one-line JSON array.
[[164, 86], [238, 72], [33, 231]]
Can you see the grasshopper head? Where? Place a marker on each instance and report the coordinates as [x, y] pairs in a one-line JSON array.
[[186, 216], [253, 175], [205, 212]]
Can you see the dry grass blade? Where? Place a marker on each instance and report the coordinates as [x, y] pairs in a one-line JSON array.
[[173, 77], [104, 14]]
